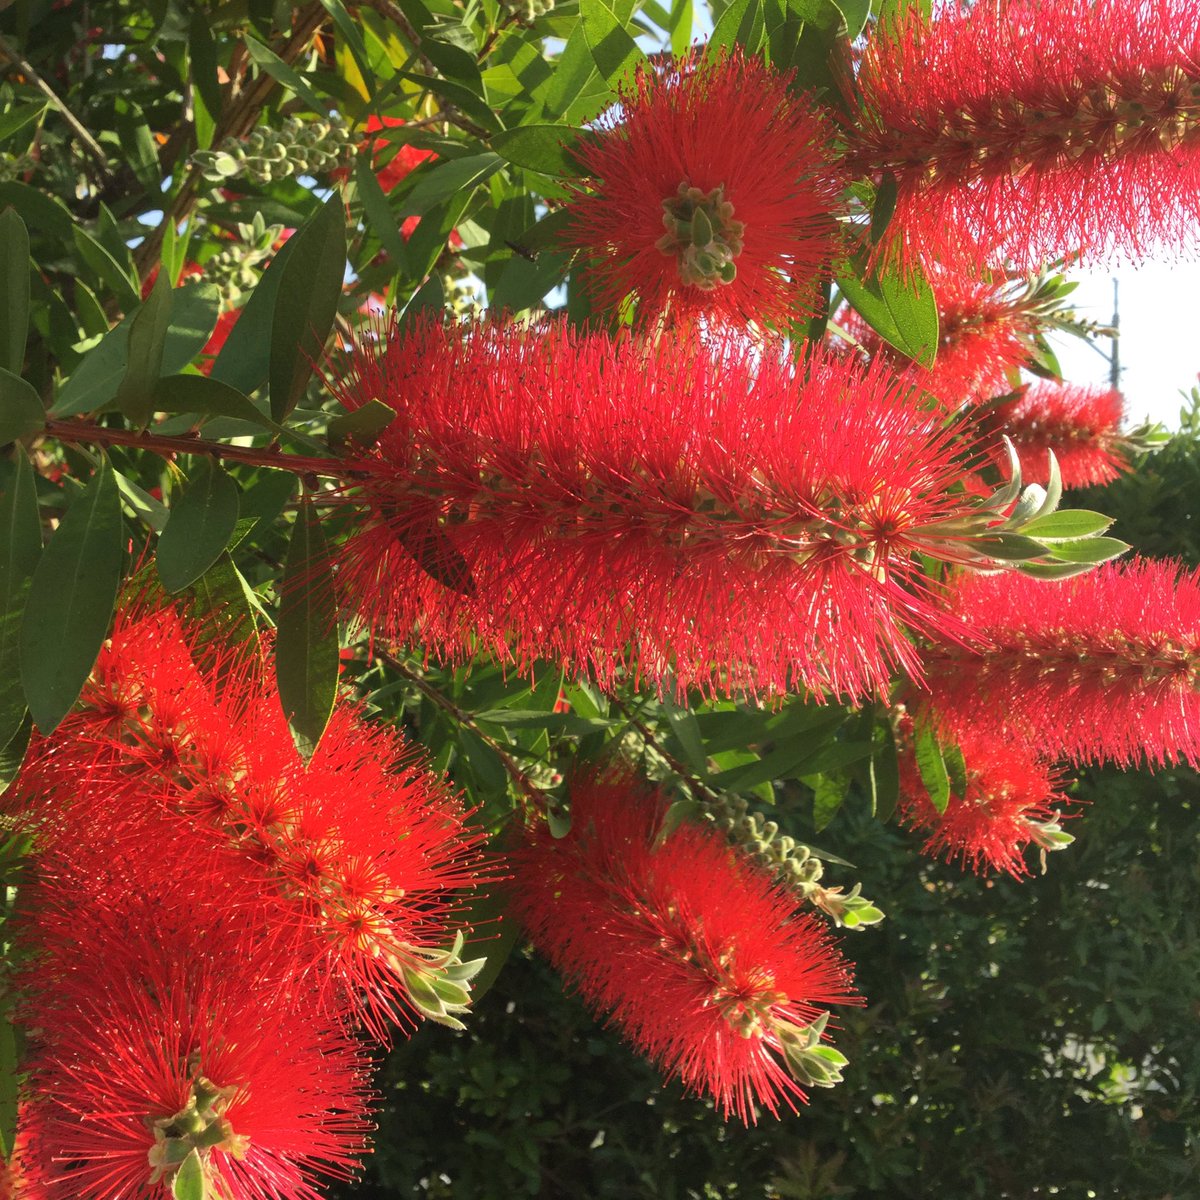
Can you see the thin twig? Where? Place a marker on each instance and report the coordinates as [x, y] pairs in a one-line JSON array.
[[89, 143], [680, 768]]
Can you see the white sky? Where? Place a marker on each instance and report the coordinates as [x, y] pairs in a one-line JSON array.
[[1160, 336]]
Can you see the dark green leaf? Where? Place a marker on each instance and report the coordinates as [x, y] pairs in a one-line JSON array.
[[1009, 547], [854, 14], [14, 290], [616, 55], [206, 397], [206, 88], [21, 411], [450, 178], [106, 267], [686, 734], [901, 309], [886, 194], [363, 425], [306, 304], [306, 649], [883, 772], [16, 119], [677, 813], [828, 794], [524, 284], [144, 355], [223, 606], [1088, 550], [13, 753], [9, 1081], [201, 524], [543, 148], [71, 599], [20, 548], [375, 204], [932, 766], [39, 210], [281, 72]]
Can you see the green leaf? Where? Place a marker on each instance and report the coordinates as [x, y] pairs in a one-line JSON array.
[[379, 214], [830, 791], [71, 599], [38, 209], [245, 359], [14, 290], [1008, 547], [886, 195], [306, 304], [21, 411], [306, 650], [189, 1182], [9, 1084], [140, 503], [616, 55], [686, 734], [363, 425], [16, 119], [931, 765], [524, 284], [20, 549], [451, 177], [883, 772], [274, 66], [495, 935], [107, 268], [201, 524], [13, 753], [224, 606], [1067, 525], [678, 812], [144, 356], [206, 397], [1088, 550], [741, 24], [902, 310], [854, 14], [206, 87], [543, 148]]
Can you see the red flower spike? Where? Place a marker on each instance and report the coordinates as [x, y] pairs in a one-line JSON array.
[[21, 1176], [984, 331], [1080, 425], [359, 853], [1099, 667], [160, 1036], [1006, 806], [701, 512], [1035, 131], [710, 190], [697, 955]]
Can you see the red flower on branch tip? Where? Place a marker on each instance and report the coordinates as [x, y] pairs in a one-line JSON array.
[[698, 510], [360, 854], [1006, 805], [709, 190], [1035, 130], [694, 952], [164, 1040], [1102, 667]]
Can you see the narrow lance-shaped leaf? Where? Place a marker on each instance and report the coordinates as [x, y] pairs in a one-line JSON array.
[[306, 650], [147, 341], [14, 290], [306, 304], [201, 523], [71, 600], [932, 766], [21, 411], [20, 548]]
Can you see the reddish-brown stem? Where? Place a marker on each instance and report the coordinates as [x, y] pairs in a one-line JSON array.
[[267, 456]]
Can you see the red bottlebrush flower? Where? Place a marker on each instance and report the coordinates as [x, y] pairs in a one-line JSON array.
[[1007, 804], [1100, 667], [697, 955], [405, 160], [702, 510], [1035, 131], [161, 1030], [21, 1174], [985, 334], [710, 191], [1081, 425], [359, 851]]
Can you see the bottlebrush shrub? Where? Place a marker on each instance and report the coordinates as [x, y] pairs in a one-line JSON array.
[[1081, 426], [1036, 130], [1003, 802], [697, 955], [694, 509], [710, 188], [360, 852], [985, 333], [168, 1037], [1099, 667]]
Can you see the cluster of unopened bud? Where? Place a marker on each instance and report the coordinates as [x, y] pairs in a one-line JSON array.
[[462, 297], [184, 1140], [527, 11], [800, 869], [702, 235], [233, 271], [267, 156], [438, 981]]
